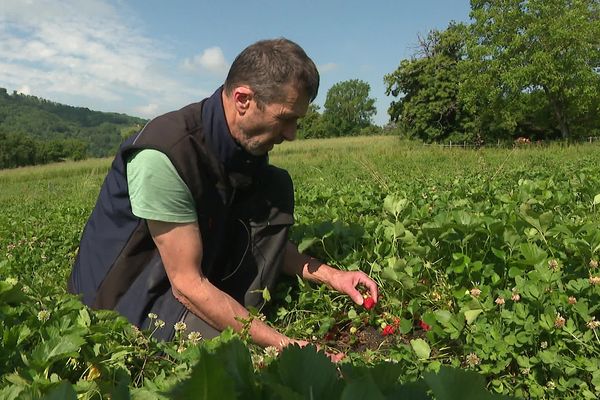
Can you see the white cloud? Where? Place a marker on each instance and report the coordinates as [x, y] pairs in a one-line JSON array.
[[50, 82], [325, 68], [24, 90], [211, 60], [90, 51], [148, 111]]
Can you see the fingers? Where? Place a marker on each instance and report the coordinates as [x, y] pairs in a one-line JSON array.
[[301, 343], [355, 295], [370, 285], [360, 278], [348, 281], [336, 357]]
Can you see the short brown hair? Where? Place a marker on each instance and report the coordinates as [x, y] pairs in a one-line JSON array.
[[267, 65]]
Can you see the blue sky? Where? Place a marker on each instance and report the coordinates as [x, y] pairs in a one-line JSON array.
[[144, 58]]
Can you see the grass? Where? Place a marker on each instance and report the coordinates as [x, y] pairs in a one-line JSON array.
[[41, 198], [384, 161]]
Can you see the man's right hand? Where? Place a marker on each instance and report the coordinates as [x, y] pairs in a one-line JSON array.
[[334, 357]]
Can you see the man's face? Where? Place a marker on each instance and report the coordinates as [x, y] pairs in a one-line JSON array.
[[261, 129]]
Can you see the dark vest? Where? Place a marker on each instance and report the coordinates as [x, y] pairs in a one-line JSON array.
[[118, 266]]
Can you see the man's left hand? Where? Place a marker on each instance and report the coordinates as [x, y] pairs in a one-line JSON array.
[[348, 281], [296, 263]]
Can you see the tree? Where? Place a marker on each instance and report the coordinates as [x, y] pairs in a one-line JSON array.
[[76, 149], [17, 150], [428, 89], [311, 125], [548, 50], [348, 108], [43, 120]]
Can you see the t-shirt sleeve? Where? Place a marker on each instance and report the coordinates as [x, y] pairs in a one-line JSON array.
[[156, 191]]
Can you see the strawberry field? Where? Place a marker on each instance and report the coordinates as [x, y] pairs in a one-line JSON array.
[[487, 263]]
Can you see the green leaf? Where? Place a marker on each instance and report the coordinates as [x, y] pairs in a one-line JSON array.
[[421, 348], [577, 285], [456, 384], [390, 274], [443, 316], [380, 382], [412, 390], [582, 309], [394, 205], [209, 380], [471, 315], [58, 347], [499, 253], [11, 392], [23, 333], [362, 389], [405, 325], [306, 243], [306, 372], [460, 293], [281, 391], [548, 357], [596, 379], [596, 199], [511, 237], [510, 339], [546, 322], [120, 390], [266, 295], [515, 271], [237, 362], [11, 293], [84, 318], [385, 375], [546, 220], [532, 253], [64, 391]]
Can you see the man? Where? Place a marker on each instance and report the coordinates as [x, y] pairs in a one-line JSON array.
[[191, 222]]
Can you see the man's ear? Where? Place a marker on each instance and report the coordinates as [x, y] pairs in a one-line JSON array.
[[242, 97]]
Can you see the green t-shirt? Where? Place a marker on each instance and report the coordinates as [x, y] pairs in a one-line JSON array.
[[156, 191]]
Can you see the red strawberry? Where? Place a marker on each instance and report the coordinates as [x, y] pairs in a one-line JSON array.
[[369, 303], [388, 330], [424, 325]]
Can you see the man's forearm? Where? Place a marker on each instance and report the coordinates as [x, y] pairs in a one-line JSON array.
[[309, 268], [180, 247], [220, 310], [349, 282]]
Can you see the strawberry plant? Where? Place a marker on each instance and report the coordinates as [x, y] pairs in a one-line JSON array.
[[487, 265]]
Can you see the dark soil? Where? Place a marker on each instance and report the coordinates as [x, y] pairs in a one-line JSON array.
[[369, 339], [366, 338]]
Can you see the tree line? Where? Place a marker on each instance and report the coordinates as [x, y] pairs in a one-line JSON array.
[[18, 150], [348, 111], [521, 68], [38, 131]]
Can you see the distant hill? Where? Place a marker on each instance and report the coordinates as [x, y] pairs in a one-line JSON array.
[[35, 130]]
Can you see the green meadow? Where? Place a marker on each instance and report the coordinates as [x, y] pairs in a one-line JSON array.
[[487, 262]]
